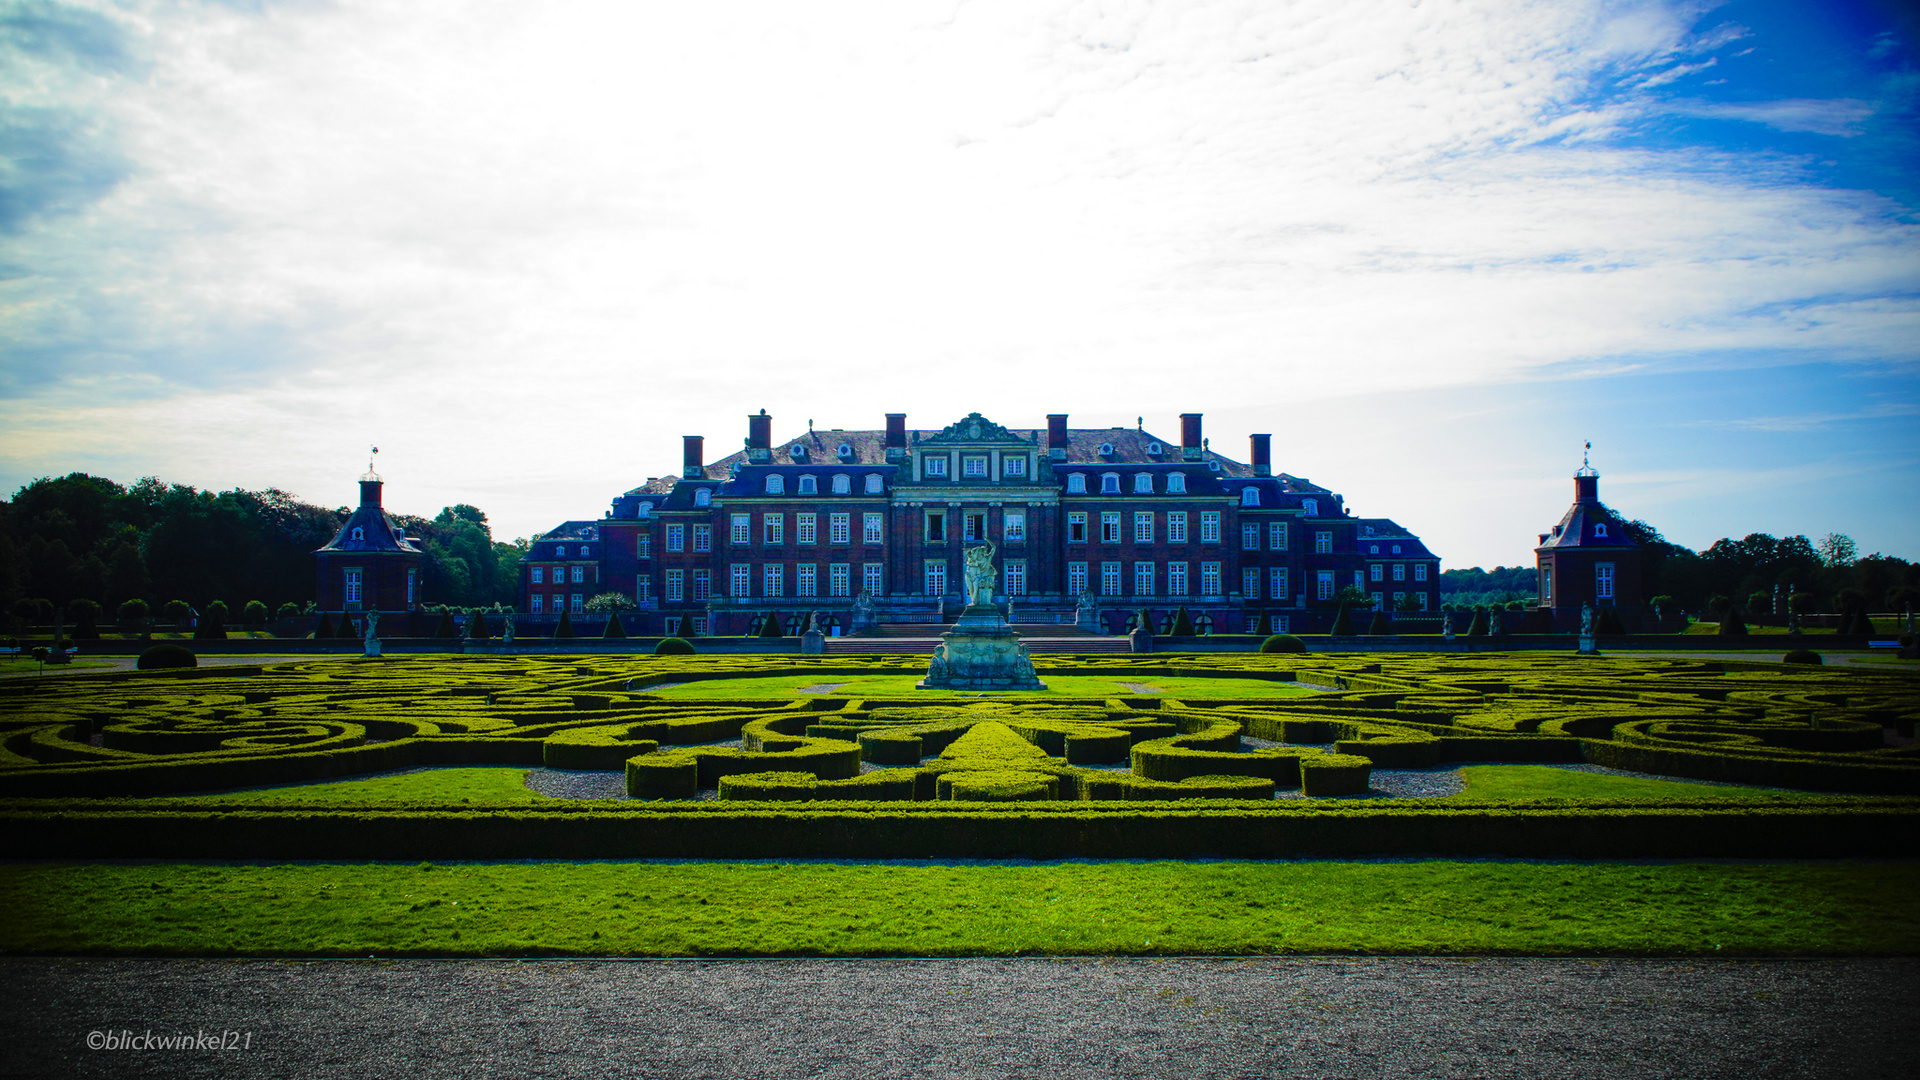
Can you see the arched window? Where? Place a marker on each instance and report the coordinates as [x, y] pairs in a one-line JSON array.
[[1600, 530], [560, 552], [359, 534], [1311, 506], [1110, 483], [1153, 449], [873, 483], [585, 551], [1176, 483], [809, 486], [1249, 496], [846, 452], [1106, 449], [776, 484], [797, 452], [702, 497], [1143, 483], [842, 484], [1076, 483]]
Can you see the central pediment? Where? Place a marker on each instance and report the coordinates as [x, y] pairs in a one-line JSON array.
[[976, 430]]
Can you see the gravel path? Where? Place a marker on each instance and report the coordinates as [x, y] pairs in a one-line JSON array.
[[1097, 1018]]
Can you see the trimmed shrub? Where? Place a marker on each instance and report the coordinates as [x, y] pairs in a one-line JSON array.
[[1335, 774], [613, 629], [1732, 625], [133, 611], [1802, 656], [998, 785], [254, 614], [663, 776], [563, 630], [605, 747], [212, 625], [85, 615], [1379, 626], [768, 786], [166, 656], [1608, 622], [673, 646], [1342, 623], [477, 628], [346, 628], [1182, 623], [447, 628], [323, 628], [1283, 643], [1479, 627], [288, 610], [1138, 789], [770, 626]]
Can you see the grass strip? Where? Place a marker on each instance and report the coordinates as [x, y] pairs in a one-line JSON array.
[[494, 784], [903, 686], [1547, 782], [810, 909]]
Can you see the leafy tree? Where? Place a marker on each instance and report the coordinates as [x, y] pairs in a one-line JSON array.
[[1408, 604], [477, 628], [1837, 550], [212, 625], [85, 614], [177, 612], [288, 610], [133, 611], [611, 601]]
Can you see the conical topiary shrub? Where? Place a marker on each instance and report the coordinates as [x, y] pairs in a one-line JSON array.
[[323, 628], [1342, 623], [770, 626], [447, 628], [1182, 623], [212, 626], [1732, 625], [85, 628], [477, 628], [1379, 626], [613, 628], [564, 629], [346, 628], [1608, 622], [1479, 627], [688, 630]]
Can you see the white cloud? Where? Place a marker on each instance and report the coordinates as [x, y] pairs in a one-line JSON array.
[[1822, 116]]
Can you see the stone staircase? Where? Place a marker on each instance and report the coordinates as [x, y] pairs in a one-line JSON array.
[[921, 638]]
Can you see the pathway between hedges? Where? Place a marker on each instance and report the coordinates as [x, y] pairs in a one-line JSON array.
[[1095, 1018]]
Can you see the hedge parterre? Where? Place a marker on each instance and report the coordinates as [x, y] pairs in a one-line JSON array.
[[101, 739]]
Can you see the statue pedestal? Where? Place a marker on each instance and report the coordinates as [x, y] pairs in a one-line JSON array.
[[981, 652], [1587, 647]]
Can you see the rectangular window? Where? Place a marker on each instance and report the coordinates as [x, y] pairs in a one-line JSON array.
[[352, 582], [1143, 526], [974, 466], [1399, 598], [1250, 583], [1209, 579], [1176, 527], [742, 529], [1176, 579], [703, 584], [1110, 527], [934, 466], [673, 625], [1015, 572], [1419, 571], [1377, 601], [1323, 542], [579, 573], [805, 579], [1603, 580], [1546, 585], [643, 544], [1076, 578], [1210, 526], [1277, 535], [1015, 522], [1324, 587], [676, 538], [840, 529], [413, 587], [936, 528], [1250, 538], [775, 529], [1013, 465], [936, 577], [872, 528], [974, 525], [699, 626], [703, 538], [575, 604], [873, 578], [1423, 600], [539, 575], [1143, 579], [1277, 578], [1280, 623], [773, 579], [643, 588], [804, 526], [1076, 526], [1109, 579], [676, 586], [536, 602], [741, 584], [1399, 571], [1360, 581], [1376, 572], [839, 579]]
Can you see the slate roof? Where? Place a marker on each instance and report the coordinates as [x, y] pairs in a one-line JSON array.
[[378, 534]]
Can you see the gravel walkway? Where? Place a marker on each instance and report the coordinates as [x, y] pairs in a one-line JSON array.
[[1315, 1017]]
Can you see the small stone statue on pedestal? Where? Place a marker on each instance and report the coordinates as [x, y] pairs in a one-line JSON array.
[[1087, 612], [370, 639], [813, 642], [506, 633], [1446, 627], [1587, 647]]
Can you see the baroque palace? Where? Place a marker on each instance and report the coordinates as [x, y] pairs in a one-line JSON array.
[[1090, 526]]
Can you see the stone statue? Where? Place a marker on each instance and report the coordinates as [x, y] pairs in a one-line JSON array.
[[863, 604], [980, 574], [1446, 627], [370, 638], [506, 634], [1087, 612], [1586, 619], [1493, 623]]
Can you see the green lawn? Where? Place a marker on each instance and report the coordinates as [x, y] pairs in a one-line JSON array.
[[480, 784], [28, 665], [643, 909], [1547, 782], [902, 686]]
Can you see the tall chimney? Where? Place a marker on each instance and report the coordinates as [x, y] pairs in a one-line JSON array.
[[1056, 436], [1190, 449], [692, 457], [760, 437], [896, 436], [1262, 455]]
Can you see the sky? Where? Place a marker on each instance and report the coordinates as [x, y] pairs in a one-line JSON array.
[[1432, 246]]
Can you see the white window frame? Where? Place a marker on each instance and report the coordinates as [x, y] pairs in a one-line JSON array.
[[1110, 579], [1278, 583], [676, 538], [1376, 572], [839, 529], [1249, 496], [1109, 526], [1399, 571], [740, 580], [1419, 571], [934, 465], [873, 578], [1076, 526], [1250, 582], [842, 484], [352, 585], [773, 579], [579, 575], [1276, 536], [1014, 577], [535, 603], [773, 529], [1013, 465], [702, 538], [806, 528], [1076, 578], [1076, 483], [1013, 526], [1209, 526], [1178, 583], [933, 577], [873, 528], [1143, 483], [1249, 536], [1176, 526], [1143, 526], [1603, 581], [1311, 507], [1323, 542], [809, 484], [576, 604], [702, 583], [806, 580], [1323, 588], [1143, 574], [1110, 483], [740, 529], [539, 575], [973, 466], [1176, 483], [839, 579], [875, 485], [676, 586], [776, 484], [1209, 579]]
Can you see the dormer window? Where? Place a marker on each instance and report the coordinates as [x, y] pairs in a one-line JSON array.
[[1176, 483], [873, 483], [1106, 449], [585, 551], [1110, 483], [935, 466], [1369, 530], [1311, 506], [1249, 496], [1213, 466], [776, 484], [1143, 483], [560, 552], [1013, 465], [359, 534], [1154, 449], [1600, 530], [1373, 549], [809, 486], [797, 452], [1076, 483], [702, 497], [974, 466], [1396, 549], [846, 452], [842, 484], [645, 509]]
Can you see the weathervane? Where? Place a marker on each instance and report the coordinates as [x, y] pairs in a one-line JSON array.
[[372, 452], [1586, 459]]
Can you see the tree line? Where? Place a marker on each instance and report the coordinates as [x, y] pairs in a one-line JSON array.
[[87, 538]]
